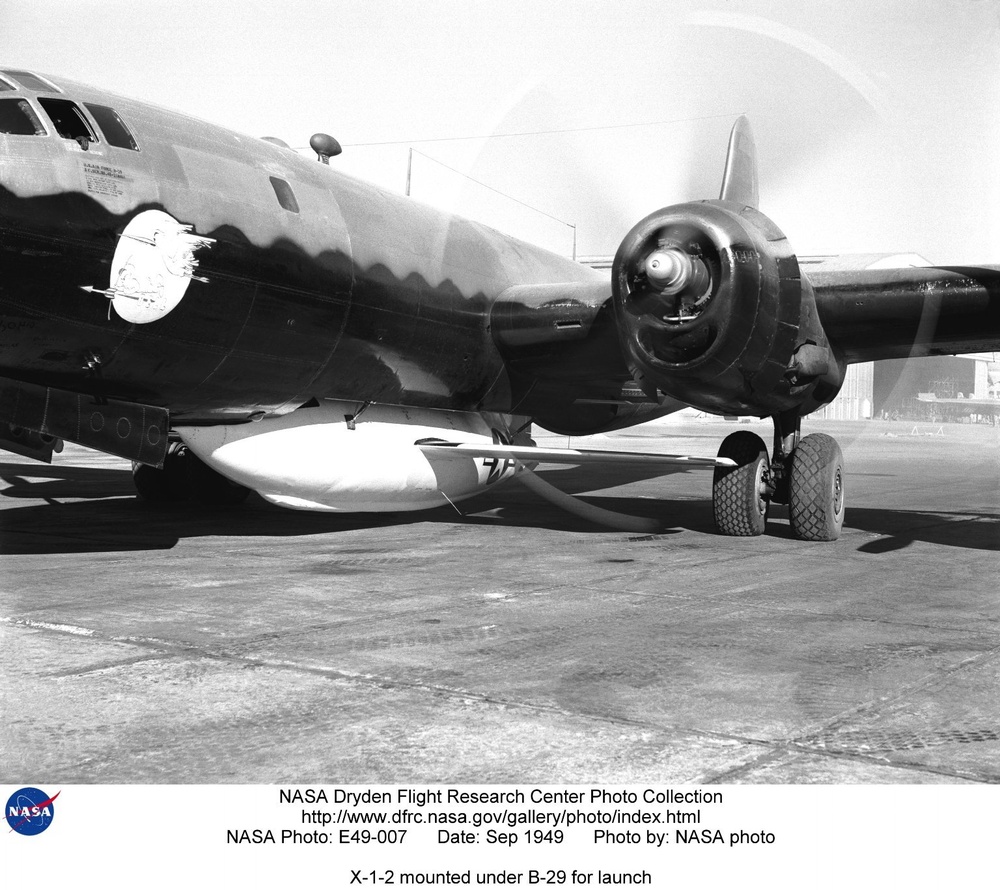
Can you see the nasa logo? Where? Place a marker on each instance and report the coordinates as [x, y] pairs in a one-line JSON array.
[[30, 810]]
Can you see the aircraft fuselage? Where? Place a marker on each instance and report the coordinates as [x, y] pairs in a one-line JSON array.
[[221, 275]]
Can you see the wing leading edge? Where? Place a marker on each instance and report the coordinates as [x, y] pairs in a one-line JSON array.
[[527, 457], [877, 314], [573, 456]]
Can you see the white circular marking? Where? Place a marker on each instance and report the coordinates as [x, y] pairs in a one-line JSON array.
[[153, 265]]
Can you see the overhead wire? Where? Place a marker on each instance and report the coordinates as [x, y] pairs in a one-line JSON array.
[[679, 120], [492, 189], [526, 133]]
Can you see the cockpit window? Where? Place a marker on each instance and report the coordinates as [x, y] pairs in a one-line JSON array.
[[33, 81], [112, 126], [6, 85], [17, 119], [69, 120]]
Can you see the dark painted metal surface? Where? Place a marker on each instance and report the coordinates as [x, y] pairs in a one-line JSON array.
[[896, 313], [311, 284], [135, 432], [362, 294], [726, 340]]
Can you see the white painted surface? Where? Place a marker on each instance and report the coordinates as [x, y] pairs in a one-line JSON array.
[[312, 460]]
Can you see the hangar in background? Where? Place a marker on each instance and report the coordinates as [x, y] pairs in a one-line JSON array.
[[891, 387]]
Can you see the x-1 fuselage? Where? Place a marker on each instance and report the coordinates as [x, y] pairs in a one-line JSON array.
[[223, 276]]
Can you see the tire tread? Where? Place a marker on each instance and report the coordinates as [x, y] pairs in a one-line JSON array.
[[733, 496], [810, 510]]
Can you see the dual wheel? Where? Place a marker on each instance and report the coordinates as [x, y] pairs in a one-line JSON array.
[[741, 494], [185, 478]]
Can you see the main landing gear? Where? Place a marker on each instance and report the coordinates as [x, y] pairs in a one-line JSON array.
[[185, 478], [805, 473]]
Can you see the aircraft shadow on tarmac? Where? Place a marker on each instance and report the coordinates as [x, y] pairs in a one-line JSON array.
[[104, 515]]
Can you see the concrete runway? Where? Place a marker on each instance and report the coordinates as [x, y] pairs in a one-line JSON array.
[[516, 644]]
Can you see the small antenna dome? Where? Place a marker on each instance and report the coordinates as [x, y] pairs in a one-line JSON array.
[[325, 146]]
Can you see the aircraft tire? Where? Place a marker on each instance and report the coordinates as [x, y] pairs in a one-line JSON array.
[[151, 484], [209, 487], [816, 504], [162, 486], [739, 501], [185, 478]]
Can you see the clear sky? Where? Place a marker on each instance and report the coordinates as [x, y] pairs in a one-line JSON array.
[[877, 123]]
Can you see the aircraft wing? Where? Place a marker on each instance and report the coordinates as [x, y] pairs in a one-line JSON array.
[[972, 405], [878, 313], [530, 454]]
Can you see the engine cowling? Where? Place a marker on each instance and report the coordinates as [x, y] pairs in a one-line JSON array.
[[712, 310]]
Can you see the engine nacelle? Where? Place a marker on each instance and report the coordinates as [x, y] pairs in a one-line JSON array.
[[712, 311], [335, 457]]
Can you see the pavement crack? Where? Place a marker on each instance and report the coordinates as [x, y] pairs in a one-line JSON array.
[[111, 664]]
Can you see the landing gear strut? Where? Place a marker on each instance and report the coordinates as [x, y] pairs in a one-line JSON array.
[[805, 473], [185, 478]]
